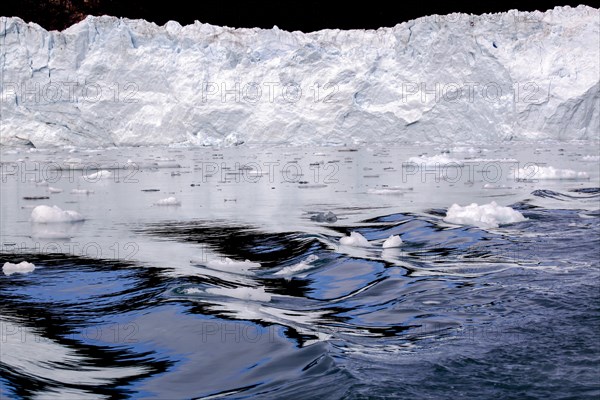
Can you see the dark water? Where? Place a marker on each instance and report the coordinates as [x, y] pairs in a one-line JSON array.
[[457, 312]]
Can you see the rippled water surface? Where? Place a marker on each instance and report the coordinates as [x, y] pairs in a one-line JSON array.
[[139, 301]]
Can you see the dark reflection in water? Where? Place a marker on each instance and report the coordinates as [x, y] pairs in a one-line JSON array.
[[456, 311]]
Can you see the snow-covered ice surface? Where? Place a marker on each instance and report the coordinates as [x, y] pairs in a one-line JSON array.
[[108, 81], [245, 285]]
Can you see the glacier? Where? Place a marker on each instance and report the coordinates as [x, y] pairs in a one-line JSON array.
[[109, 81]]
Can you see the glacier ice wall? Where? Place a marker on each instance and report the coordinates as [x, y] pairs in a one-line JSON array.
[[108, 81]]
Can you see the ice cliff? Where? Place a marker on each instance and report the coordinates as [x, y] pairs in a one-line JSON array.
[[108, 81]]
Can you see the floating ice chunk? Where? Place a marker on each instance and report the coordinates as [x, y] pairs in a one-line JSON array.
[[463, 149], [436, 160], [242, 293], [389, 191], [54, 190], [392, 241], [230, 265], [102, 174], [355, 239], [169, 201], [301, 266], [41, 183], [485, 216], [591, 158], [81, 191], [492, 186], [45, 215], [324, 217], [539, 172], [23, 267]]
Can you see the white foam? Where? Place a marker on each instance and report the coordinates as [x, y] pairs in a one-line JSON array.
[[23, 267], [355, 240], [534, 172], [192, 290], [392, 241], [301, 266], [229, 265], [45, 215], [242, 293], [54, 190], [485, 216], [169, 201]]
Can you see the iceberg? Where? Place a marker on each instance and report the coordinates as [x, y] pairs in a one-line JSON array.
[[534, 172], [392, 241], [169, 201], [355, 240], [484, 216], [23, 267], [45, 215], [109, 81]]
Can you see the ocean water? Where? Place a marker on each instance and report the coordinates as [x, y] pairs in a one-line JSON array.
[[140, 301]]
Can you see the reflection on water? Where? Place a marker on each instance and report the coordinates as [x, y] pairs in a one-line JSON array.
[[511, 312]]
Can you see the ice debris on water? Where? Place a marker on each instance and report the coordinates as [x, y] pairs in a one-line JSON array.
[[169, 201], [392, 241], [23, 267], [484, 216], [324, 217], [355, 239], [45, 215]]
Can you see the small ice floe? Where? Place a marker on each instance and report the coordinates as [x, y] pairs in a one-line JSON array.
[[464, 149], [484, 216], [355, 240], [41, 183], [229, 265], [102, 174], [590, 158], [492, 186], [169, 201], [81, 191], [324, 217], [54, 190], [436, 160], [394, 191], [47, 215], [312, 186], [392, 241], [533, 172], [242, 293], [301, 266], [23, 267]]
